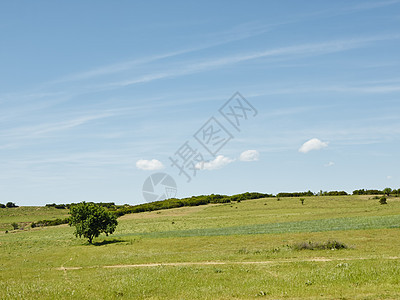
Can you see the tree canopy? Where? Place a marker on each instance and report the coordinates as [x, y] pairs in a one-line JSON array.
[[90, 220]]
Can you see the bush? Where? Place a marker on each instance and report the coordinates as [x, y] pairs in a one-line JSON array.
[[328, 245], [14, 225], [383, 200], [55, 222], [10, 205], [2, 205]]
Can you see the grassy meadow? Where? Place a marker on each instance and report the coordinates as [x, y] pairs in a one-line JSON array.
[[219, 251]]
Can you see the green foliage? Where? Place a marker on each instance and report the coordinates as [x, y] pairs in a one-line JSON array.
[[333, 193], [302, 201], [383, 200], [11, 205], [192, 201], [90, 220], [296, 194], [15, 225], [59, 206], [387, 191], [2, 205], [367, 192], [328, 245], [55, 222]]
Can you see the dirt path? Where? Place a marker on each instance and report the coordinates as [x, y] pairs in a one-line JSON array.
[[218, 263]]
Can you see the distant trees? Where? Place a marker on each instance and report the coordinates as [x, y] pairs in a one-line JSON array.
[[367, 192], [109, 205], [296, 194], [386, 191], [90, 220], [333, 193], [191, 201], [58, 206], [310, 194]]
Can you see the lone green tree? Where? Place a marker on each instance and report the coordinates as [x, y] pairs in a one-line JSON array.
[[90, 220], [387, 191]]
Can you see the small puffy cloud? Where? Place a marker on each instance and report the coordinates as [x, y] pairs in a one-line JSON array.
[[249, 155], [313, 144], [389, 177], [149, 165], [219, 162], [329, 164]]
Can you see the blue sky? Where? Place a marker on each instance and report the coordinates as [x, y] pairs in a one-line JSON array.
[[96, 96]]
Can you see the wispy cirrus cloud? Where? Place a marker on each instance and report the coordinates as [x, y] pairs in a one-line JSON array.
[[288, 52], [372, 5], [44, 128], [237, 33]]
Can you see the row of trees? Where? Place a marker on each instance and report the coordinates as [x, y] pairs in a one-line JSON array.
[[310, 194], [192, 201], [109, 205], [386, 191]]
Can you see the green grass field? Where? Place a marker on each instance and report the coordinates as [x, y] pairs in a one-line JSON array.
[[222, 251]]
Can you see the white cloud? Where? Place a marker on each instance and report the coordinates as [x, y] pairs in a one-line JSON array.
[[313, 144], [329, 164], [249, 155], [219, 162], [389, 177], [149, 165]]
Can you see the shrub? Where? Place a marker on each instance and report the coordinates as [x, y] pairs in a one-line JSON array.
[[302, 201], [55, 222], [328, 245], [60, 206], [2, 205], [14, 225], [383, 200], [10, 205]]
